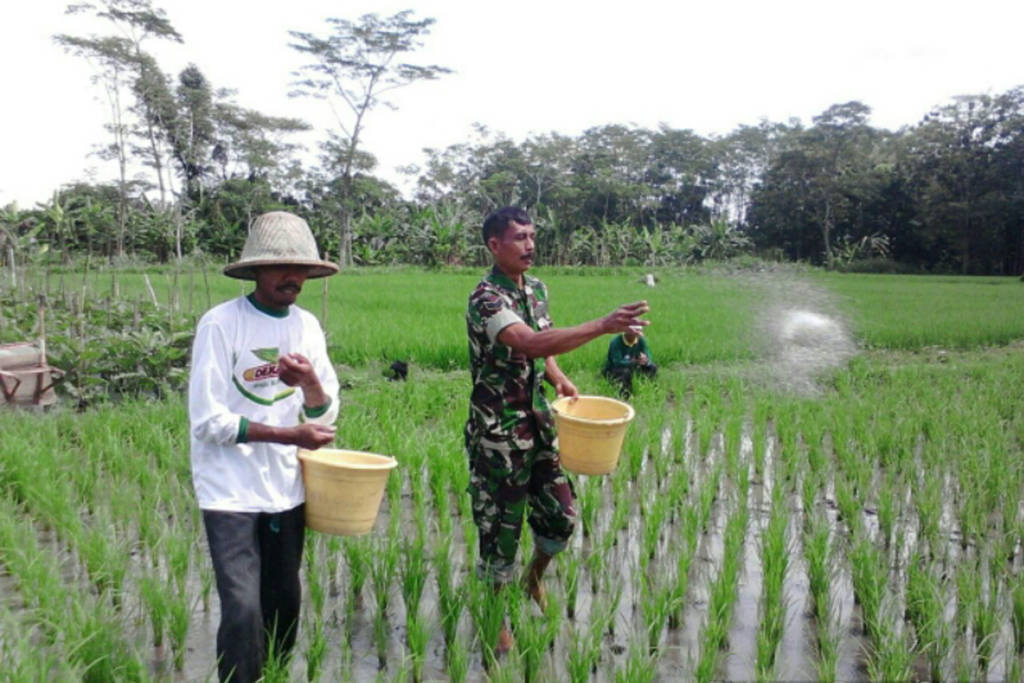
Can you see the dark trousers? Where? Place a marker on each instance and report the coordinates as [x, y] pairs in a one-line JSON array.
[[256, 559], [623, 376]]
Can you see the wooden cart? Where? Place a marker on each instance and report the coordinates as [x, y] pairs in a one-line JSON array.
[[26, 378]]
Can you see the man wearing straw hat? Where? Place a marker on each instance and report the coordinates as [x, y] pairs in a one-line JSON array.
[[260, 386], [510, 435]]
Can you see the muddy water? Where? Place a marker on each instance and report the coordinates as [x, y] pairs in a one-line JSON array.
[[352, 653], [738, 664]]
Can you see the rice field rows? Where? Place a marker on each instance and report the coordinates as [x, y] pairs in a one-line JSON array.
[[872, 531]]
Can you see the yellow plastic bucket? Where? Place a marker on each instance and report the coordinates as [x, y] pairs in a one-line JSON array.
[[590, 432], [343, 489]]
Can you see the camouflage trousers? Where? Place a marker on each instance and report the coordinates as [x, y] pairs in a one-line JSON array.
[[502, 486]]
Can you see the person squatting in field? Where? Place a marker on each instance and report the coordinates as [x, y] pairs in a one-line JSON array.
[[260, 386], [510, 434], [628, 353]]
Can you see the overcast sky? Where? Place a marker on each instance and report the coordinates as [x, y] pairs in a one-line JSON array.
[[525, 67]]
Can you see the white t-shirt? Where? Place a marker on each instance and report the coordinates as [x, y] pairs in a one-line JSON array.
[[233, 381]]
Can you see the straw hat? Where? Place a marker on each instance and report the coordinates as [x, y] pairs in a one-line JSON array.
[[279, 238]]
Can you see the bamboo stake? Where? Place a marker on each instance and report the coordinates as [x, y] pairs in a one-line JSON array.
[[191, 285], [174, 301], [323, 305], [149, 288], [42, 328], [206, 284], [85, 277], [13, 267]]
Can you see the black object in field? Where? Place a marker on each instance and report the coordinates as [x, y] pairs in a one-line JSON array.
[[399, 371]]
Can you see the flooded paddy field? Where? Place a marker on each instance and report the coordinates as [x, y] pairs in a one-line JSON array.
[[797, 507], [869, 531]]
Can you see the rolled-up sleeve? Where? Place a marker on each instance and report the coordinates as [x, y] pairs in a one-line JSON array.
[[210, 420], [490, 312]]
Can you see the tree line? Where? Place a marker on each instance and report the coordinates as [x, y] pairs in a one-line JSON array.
[[943, 195]]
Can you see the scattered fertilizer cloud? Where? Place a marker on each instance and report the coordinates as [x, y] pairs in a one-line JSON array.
[[530, 67], [801, 336]]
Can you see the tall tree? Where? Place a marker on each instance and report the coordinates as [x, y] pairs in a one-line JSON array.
[[815, 188], [125, 68], [956, 179], [358, 63], [1010, 169], [681, 173], [840, 138], [191, 131], [741, 160]]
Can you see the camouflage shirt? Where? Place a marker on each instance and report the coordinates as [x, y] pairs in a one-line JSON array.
[[507, 409]]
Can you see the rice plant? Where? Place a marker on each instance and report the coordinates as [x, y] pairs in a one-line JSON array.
[[316, 649], [1017, 611], [639, 666], [417, 635], [869, 584], [723, 595], [774, 563], [456, 661], [569, 569], [589, 503], [657, 604], [925, 602], [414, 573], [681, 576], [487, 607], [383, 569], [533, 637], [892, 655], [582, 658], [153, 592], [358, 558], [178, 622], [450, 598], [986, 624]]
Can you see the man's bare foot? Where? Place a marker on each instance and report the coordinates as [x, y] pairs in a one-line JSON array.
[[505, 642], [535, 587], [534, 579]]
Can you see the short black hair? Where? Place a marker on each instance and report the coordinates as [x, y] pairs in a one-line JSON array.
[[496, 224]]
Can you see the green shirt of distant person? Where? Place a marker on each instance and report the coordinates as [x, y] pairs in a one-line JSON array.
[[627, 350]]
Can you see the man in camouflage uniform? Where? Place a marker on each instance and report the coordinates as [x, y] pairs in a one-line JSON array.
[[510, 433]]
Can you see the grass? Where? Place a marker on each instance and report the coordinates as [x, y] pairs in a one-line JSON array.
[[696, 318], [698, 311], [913, 312]]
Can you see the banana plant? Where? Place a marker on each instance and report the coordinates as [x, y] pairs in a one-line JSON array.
[[19, 240]]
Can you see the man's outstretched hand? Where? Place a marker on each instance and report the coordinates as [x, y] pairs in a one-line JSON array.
[[624, 317]]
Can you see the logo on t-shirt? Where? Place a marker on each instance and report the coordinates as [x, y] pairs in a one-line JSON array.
[[267, 370], [261, 377]]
